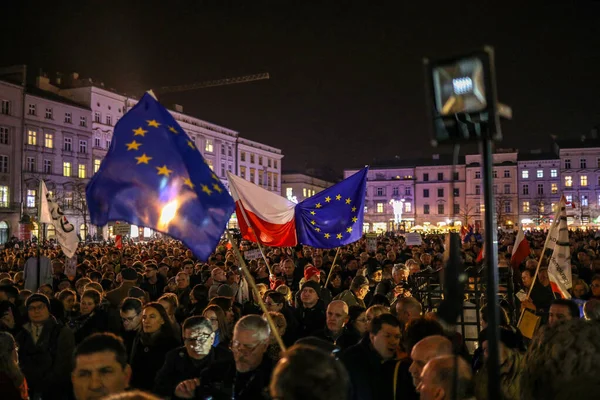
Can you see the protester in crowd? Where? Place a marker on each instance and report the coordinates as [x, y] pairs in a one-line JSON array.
[[131, 318], [310, 313], [129, 279], [306, 372], [446, 378], [407, 309], [216, 316], [562, 310], [424, 351], [170, 302], [153, 283], [92, 319], [274, 350], [355, 296], [357, 320], [13, 384], [151, 345], [100, 367], [198, 300], [335, 329]]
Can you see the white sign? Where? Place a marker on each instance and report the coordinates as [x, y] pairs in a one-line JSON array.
[[413, 239], [252, 254], [122, 229], [371, 242]]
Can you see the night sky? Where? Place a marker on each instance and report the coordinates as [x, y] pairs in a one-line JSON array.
[[346, 76]]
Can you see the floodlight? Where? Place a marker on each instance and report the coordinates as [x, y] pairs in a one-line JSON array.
[[459, 87]]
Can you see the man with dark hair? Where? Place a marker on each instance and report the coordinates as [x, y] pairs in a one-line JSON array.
[[418, 329], [306, 372], [131, 318], [369, 362], [100, 367], [439, 376], [359, 288], [129, 279], [153, 283], [562, 363], [562, 310], [188, 361], [310, 313]]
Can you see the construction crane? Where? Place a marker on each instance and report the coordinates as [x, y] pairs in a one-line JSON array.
[[211, 83]]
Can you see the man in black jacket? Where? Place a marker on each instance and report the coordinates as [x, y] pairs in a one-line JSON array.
[[335, 327], [247, 377], [188, 361], [310, 313], [370, 363]]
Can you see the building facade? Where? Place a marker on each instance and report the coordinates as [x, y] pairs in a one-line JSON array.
[[260, 164], [539, 188], [297, 187], [440, 192], [390, 197]]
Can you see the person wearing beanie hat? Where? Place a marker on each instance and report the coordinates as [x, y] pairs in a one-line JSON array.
[[312, 273], [355, 296], [37, 297], [310, 312], [225, 291]]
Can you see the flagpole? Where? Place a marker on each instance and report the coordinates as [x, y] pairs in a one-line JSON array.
[[331, 269], [250, 280]]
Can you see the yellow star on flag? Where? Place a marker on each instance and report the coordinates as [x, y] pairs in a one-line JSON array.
[[339, 236], [143, 159], [139, 132], [164, 170], [353, 209], [327, 236], [327, 199], [354, 219], [338, 197], [217, 187], [188, 182], [153, 123], [206, 190], [349, 229], [173, 129], [313, 222], [318, 205], [133, 145], [215, 177], [312, 213], [318, 229], [191, 144], [348, 200]]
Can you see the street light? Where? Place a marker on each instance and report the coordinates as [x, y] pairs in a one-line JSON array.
[[461, 94]]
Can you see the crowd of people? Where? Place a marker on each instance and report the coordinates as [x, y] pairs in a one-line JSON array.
[[151, 321]]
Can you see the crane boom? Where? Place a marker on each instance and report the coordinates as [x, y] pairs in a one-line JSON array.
[[211, 83]]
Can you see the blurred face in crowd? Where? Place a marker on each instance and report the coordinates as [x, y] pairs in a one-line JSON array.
[[47, 290], [168, 307], [595, 286], [361, 324], [219, 275], [336, 281], [543, 277], [558, 313], [272, 305], [386, 341], [212, 317], [362, 292], [182, 280], [38, 312], [376, 276], [288, 267], [150, 272], [371, 314], [87, 305], [189, 269], [527, 279], [318, 261], [579, 290], [98, 375], [198, 341], [131, 320], [151, 320], [309, 297], [163, 270], [337, 316], [248, 350]]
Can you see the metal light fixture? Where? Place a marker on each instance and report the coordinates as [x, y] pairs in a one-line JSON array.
[[459, 87]]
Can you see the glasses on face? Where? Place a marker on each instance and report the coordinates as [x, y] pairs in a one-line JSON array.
[[36, 308], [244, 348], [129, 319], [201, 337]]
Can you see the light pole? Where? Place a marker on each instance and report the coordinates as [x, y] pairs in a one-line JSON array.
[[464, 109]]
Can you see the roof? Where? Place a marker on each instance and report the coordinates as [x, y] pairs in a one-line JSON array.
[[35, 91], [581, 143], [537, 156], [398, 162]]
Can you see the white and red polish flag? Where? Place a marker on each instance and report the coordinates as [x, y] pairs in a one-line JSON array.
[[520, 250]]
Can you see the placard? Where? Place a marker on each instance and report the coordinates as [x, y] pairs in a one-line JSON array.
[[371, 242], [252, 254], [122, 229], [413, 239]]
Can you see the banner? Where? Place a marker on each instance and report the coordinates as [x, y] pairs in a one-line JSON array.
[[51, 213], [559, 267]]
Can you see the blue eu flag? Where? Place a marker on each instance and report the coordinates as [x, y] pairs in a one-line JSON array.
[[333, 217], [154, 176]]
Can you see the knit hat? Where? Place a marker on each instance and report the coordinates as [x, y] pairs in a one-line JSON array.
[[129, 274], [225, 291], [37, 297], [313, 285], [372, 266], [311, 271]]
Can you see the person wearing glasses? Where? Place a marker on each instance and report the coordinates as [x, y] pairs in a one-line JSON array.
[[247, 377], [131, 319], [45, 349], [188, 361]]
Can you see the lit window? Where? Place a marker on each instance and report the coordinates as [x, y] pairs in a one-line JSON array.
[[584, 201], [97, 163], [81, 171], [379, 207], [540, 173], [407, 207], [569, 198], [553, 173], [568, 181], [208, 147], [482, 208], [554, 188], [4, 196], [526, 206], [66, 168], [583, 180], [304, 192], [49, 140], [209, 163], [525, 174], [242, 171], [31, 197], [243, 156], [553, 207], [289, 192], [31, 138]]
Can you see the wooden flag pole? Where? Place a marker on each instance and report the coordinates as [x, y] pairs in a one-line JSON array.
[[331, 269], [252, 284]]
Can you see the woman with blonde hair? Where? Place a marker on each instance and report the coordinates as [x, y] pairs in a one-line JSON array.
[[13, 385], [286, 291]]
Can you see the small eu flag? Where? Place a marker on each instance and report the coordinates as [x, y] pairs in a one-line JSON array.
[[333, 217], [154, 176]]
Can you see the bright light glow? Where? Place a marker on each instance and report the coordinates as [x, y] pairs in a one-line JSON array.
[[462, 85], [167, 214], [526, 221], [397, 206], [293, 199], [134, 231]]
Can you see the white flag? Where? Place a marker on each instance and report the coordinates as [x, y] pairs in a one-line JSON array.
[[44, 211], [559, 268], [50, 213], [554, 228]]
